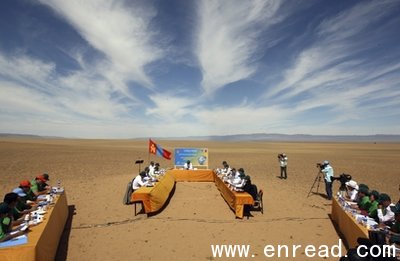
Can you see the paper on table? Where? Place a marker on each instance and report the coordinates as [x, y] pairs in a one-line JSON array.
[[23, 239]]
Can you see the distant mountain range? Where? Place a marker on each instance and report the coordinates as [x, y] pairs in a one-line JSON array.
[[294, 137], [257, 137]]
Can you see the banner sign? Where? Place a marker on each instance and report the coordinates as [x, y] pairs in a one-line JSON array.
[[197, 156]]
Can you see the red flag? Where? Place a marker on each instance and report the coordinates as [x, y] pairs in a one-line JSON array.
[[157, 150]]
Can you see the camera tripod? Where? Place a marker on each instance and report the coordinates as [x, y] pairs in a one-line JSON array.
[[317, 180]]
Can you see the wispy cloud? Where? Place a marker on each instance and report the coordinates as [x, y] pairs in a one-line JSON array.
[[228, 39], [122, 33], [332, 74], [32, 85]]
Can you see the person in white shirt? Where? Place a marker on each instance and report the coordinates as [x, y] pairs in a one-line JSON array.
[[283, 164], [327, 170], [140, 181], [188, 165], [351, 190], [226, 169], [385, 209], [238, 180], [151, 168]]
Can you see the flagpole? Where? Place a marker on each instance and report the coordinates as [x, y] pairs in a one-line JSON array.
[[148, 153]]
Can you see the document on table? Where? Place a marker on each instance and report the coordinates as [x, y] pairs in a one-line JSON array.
[[23, 239]]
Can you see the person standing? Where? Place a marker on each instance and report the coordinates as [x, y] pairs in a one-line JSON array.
[[327, 170], [283, 164]]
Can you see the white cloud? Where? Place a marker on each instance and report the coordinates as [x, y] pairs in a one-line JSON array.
[[228, 39], [34, 87], [171, 107], [120, 32], [330, 74]]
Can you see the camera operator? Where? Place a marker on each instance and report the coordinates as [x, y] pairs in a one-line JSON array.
[[283, 163], [327, 170]]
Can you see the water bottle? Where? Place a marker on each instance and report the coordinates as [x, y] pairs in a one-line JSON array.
[[26, 219]]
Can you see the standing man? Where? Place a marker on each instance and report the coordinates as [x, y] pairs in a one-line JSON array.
[[283, 163], [327, 170]]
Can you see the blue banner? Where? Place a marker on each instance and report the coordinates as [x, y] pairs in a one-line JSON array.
[[197, 156]]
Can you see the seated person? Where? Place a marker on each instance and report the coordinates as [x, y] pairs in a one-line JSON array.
[[352, 190], [224, 170], [396, 226], [250, 188], [230, 176], [30, 197], [21, 207], [374, 202], [385, 209], [38, 187], [238, 181], [150, 171], [11, 200], [46, 186], [140, 181], [151, 167], [157, 169], [363, 202], [188, 165], [6, 224]]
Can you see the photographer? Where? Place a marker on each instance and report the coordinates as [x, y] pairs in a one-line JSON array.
[[327, 170], [283, 163]]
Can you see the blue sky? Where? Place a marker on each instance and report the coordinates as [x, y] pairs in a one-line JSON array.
[[125, 69]]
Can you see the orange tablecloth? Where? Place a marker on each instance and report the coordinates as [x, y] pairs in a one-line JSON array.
[[43, 239], [153, 198], [347, 225], [206, 175], [235, 200]]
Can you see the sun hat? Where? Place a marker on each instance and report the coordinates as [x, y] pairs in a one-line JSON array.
[[19, 191], [25, 183], [41, 178], [352, 184], [326, 162]]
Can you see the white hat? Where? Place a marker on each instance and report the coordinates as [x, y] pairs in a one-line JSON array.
[[19, 191], [326, 162], [352, 184]]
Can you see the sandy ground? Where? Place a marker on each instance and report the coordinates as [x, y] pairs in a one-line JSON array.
[[95, 173]]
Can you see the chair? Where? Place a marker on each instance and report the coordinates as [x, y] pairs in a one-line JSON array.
[[258, 202], [141, 205]]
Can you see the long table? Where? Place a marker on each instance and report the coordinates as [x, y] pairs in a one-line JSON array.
[[43, 239], [199, 175], [235, 200], [153, 198], [347, 225]]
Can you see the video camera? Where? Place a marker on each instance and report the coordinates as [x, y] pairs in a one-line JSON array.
[[343, 178], [321, 166]]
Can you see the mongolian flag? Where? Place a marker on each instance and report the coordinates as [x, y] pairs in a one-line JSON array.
[[157, 150]]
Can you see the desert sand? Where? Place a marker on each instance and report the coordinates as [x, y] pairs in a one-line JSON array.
[[95, 173]]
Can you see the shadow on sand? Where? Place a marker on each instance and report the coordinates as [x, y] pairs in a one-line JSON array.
[[62, 249]]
